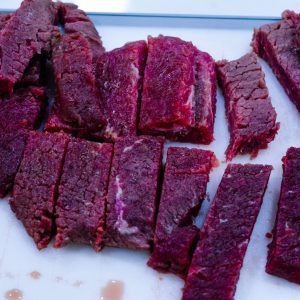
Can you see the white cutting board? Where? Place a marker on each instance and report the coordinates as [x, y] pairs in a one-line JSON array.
[[77, 272]]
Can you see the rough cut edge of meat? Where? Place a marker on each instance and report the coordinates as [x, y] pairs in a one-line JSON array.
[[119, 75], [283, 256], [127, 224], [12, 147], [218, 257], [175, 233], [251, 116], [35, 186], [295, 17], [3, 19], [80, 207], [199, 129], [276, 44]]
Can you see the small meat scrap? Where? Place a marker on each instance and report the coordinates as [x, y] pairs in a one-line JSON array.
[[249, 111], [133, 191], [277, 44], [184, 187], [77, 101], [283, 258], [76, 20], [36, 183], [27, 33], [80, 208], [225, 235], [179, 91], [119, 81]]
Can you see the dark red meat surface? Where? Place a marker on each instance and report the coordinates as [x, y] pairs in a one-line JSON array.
[[119, 80], [28, 32], [283, 258], [277, 44], [3, 19], [80, 209], [249, 111], [34, 73], [132, 192], [36, 183], [184, 187], [179, 91], [77, 102], [225, 235]]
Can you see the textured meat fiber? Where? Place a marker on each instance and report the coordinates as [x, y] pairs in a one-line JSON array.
[[28, 32], [225, 235], [35, 188], [277, 44], [3, 20], [22, 109], [80, 209], [76, 20], [77, 101], [250, 114], [184, 187], [132, 192], [119, 80], [179, 91], [283, 257]]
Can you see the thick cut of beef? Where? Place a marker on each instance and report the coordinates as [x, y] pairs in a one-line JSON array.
[[179, 91], [28, 32], [250, 114], [283, 258], [184, 187], [225, 235], [80, 209], [132, 192], [119, 80], [76, 20], [35, 188], [277, 44], [77, 102]]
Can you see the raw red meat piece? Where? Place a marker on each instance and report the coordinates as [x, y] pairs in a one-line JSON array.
[[35, 189], [250, 114], [283, 258], [77, 102], [76, 20], [185, 179], [28, 32], [179, 91], [80, 208], [277, 44], [132, 192], [225, 235], [119, 80]]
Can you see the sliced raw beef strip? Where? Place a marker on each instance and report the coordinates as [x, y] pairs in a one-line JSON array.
[[80, 209], [179, 91], [119, 80], [27, 33], [277, 44], [283, 258], [225, 235], [76, 20], [249, 111], [77, 102], [36, 183], [132, 192], [184, 187]]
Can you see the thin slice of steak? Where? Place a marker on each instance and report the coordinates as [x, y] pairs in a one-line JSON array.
[[249, 111], [225, 235], [119, 81], [179, 91], [80, 208], [133, 191], [36, 183], [184, 188], [277, 44], [283, 258]]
